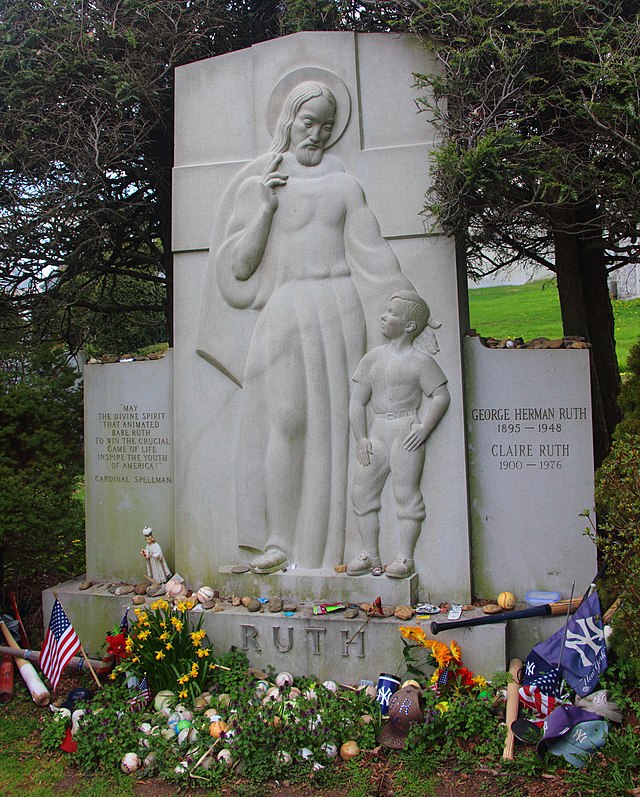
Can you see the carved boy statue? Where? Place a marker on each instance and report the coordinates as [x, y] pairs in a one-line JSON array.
[[157, 568], [409, 396]]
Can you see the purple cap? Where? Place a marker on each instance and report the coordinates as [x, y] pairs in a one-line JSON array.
[[560, 721]]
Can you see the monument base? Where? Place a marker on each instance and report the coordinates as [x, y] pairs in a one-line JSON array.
[[326, 646], [314, 586]]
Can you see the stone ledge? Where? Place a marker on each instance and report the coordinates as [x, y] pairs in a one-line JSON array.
[[328, 646]]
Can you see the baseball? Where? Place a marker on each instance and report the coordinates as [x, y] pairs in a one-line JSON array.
[[130, 762]]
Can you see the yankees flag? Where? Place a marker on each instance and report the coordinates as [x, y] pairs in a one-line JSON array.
[[584, 657]]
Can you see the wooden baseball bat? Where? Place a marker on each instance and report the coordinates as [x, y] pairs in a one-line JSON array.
[[6, 679], [102, 668], [37, 689], [515, 667], [547, 609]]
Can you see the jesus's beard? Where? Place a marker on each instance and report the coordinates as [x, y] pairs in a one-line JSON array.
[[308, 156]]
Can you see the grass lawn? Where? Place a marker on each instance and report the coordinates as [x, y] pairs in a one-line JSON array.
[[533, 310]]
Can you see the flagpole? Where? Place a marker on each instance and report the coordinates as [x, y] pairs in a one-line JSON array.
[[84, 655]]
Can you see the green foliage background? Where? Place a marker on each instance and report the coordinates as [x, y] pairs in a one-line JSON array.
[[41, 465]]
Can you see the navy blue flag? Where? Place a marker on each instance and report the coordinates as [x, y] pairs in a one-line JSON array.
[[124, 624], [584, 657]]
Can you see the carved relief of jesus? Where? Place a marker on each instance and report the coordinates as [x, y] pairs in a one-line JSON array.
[[295, 242]]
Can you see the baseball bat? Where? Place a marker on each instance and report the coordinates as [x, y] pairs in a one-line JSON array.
[[102, 668], [547, 609], [512, 707], [37, 689]]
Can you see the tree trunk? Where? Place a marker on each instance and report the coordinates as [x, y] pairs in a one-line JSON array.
[[586, 311]]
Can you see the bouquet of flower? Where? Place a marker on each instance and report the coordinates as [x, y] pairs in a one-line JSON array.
[[450, 677], [164, 646]]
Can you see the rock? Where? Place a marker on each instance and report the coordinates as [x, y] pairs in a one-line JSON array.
[[340, 568], [154, 590], [289, 606], [275, 605], [140, 588], [139, 600], [251, 604], [351, 612], [109, 358], [125, 589], [86, 584], [403, 612], [491, 608], [553, 344], [366, 607], [217, 607], [388, 611]]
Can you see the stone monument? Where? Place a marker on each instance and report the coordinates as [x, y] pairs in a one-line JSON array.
[[308, 430], [299, 181]]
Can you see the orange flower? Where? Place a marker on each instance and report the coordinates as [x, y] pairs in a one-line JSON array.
[[456, 652], [442, 654]]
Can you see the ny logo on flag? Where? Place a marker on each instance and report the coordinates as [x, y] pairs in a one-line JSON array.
[[589, 636]]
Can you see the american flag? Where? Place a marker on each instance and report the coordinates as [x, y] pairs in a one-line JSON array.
[[543, 694], [60, 645], [140, 701], [124, 623]]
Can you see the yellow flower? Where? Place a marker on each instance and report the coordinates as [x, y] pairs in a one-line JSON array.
[[164, 636], [168, 646], [160, 655], [181, 606], [197, 637], [194, 670], [161, 603], [456, 652], [163, 624], [434, 677], [143, 635], [442, 706], [141, 615], [190, 605], [128, 645], [177, 624], [135, 659], [203, 652], [183, 693], [113, 676], [183, 679], [414, 634], [480, 681]]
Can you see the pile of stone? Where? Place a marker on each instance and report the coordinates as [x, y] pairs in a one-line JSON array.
[[568, 342]]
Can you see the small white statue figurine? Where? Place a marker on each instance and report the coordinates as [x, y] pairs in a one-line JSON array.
[[157, 567]]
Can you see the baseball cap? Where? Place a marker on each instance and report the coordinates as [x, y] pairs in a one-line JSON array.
[[560, 723], [405, 710], [581, 742]]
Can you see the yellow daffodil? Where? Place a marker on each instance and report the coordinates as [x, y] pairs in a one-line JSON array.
[[164, 636], [168, 646], [183, 679], [128, 645], [113, 676], [183, 693], [181, 606], [203, 652], [190, 605], [194, 670], [160, 655], [197, 637], [177, 624], [141, 615], [135, 659], [143, 634]]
